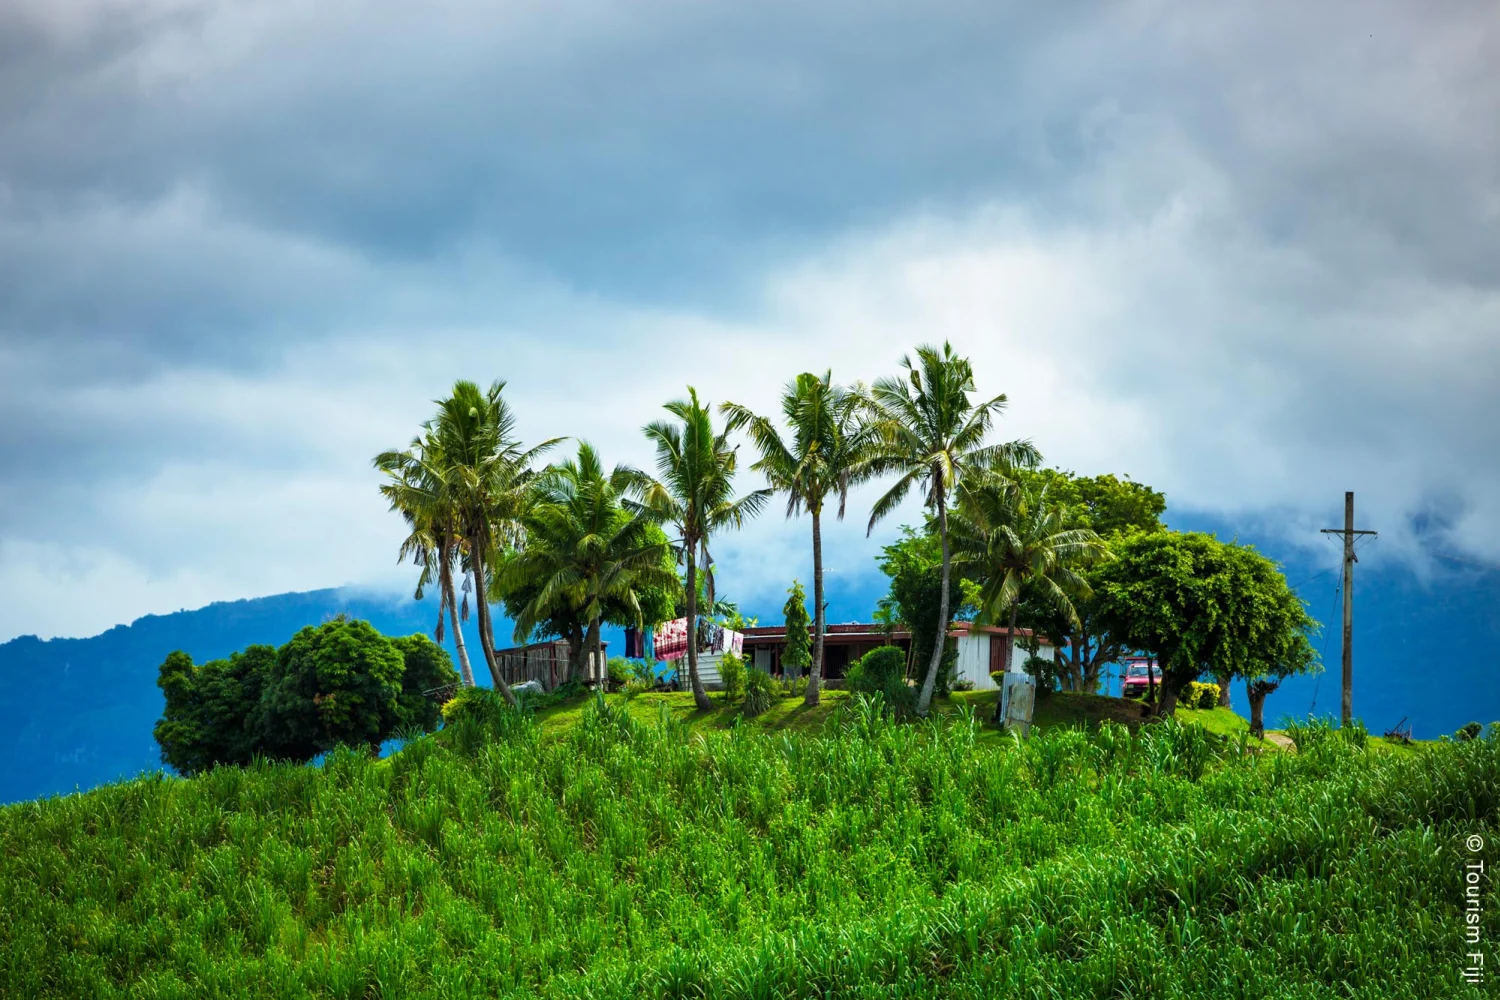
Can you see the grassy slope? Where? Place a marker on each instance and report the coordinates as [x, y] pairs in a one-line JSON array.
[[1062, 709], [592, 854]]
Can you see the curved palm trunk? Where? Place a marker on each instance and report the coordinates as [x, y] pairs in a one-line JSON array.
[[465, 671], [486, 629], [940, 640], [700, 698], [820, 626]]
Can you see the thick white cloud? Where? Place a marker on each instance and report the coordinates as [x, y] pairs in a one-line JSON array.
[[1247, 255]]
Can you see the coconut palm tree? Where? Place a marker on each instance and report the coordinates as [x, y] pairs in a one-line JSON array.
[[826, 453], [928, 431], [693, 491], [587, 545], [418, 490], [491, 480], [1015, 540]]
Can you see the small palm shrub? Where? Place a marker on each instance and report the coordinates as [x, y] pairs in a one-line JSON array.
[[732, 673], [760, 691]]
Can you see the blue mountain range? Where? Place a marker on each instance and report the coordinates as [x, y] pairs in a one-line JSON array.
[[79, 712]]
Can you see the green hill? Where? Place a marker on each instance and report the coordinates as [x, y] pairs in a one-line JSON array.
[[627, 852]]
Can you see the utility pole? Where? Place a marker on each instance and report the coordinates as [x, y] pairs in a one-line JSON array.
[[1346, 708]]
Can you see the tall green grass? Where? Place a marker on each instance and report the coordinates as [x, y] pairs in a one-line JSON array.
[[876, 860]]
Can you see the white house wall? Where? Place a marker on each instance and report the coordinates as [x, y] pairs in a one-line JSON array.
[[974, 660]]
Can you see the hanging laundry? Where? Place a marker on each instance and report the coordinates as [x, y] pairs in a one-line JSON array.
[[670, 639]]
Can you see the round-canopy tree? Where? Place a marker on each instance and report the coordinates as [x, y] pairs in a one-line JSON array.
[[1199, 606], [336, 683]]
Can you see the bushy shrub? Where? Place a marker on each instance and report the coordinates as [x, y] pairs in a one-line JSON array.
[[1044, 670], [963, 685], [428, 667], [882, 671], [760, 690], [1469, 731], [618, 669], [1196, 694], [796, 687], [732, 674], [479, 704]]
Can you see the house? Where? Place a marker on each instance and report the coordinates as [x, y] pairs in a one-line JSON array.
[[981, 648], [543, 662]]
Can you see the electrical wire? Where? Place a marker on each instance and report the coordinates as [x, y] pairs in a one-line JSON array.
[[1337, 589]]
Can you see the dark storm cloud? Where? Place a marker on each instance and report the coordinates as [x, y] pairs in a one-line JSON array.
[[214, 214], [669, 152]]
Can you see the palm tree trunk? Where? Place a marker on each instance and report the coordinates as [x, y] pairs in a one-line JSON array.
[[590, 642], [577, 650], [1010, 635], [700, 698], [940, 640], [465, 671], [603, 667], [820, 626], [486, 631]]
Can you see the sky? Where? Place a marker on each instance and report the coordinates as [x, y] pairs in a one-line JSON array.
[[1248, 253]]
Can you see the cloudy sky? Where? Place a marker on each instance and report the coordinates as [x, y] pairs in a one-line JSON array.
[[1248, 253]]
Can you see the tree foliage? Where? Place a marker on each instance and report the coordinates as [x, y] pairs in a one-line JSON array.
[[1114, 508], [1011, 537], [914, 565], [928, 432], [693, 490], [1199, 606], [827, 452], [341, 682], [796, 654]]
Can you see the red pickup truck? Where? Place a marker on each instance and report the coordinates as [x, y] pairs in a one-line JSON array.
[[1139, 676]]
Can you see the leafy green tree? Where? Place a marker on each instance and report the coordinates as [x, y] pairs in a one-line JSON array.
[[1011, 538], [827, 452], [425, 666], [693, 490], [587, 546], [210, 713], [1266, 673], [928, 431], [1112, 507], [491, 482], [1199, 606], [795, 654], [656, 602], [336, 683], [420, 490], [914, 565]]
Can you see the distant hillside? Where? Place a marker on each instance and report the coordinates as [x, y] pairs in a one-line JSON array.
[[79, 712]]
